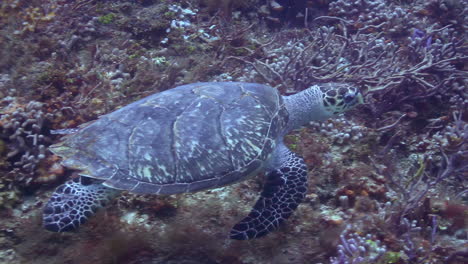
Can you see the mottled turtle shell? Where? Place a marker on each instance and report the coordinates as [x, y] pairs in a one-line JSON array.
[[192, 137]]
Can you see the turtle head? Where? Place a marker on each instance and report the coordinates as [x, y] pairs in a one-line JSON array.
[[340, 97]]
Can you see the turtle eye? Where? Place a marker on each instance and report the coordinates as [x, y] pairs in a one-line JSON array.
[[348, 98]]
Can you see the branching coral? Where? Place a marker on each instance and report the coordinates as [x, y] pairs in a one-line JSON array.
[[413, 188], [24, 132], [373, 14], [413, 182], [355, 249], [328, 53], [336, 54]]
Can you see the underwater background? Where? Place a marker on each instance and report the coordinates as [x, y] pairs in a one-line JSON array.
[[387, 180]]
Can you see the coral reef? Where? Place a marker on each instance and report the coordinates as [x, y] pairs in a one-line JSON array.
[[23, 127], [357, 249], [25, 137], [387, 182]]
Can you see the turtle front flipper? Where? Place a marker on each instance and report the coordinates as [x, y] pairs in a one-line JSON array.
[[73, 203], [283, 190]]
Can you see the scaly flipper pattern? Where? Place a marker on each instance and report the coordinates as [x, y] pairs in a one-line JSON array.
[[283, 190], [73, 203]]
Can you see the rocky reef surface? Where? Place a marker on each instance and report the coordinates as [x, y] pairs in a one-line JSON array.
[[387, 181]]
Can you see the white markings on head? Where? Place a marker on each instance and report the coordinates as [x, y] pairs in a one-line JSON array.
[[146, 172], [147, 157]]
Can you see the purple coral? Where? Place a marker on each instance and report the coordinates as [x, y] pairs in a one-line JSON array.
[[356, 249]]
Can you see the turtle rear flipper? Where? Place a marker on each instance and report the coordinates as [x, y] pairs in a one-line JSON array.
[[283, 191], [73, 203]]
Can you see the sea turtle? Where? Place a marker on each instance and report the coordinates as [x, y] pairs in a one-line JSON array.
[[194, 137]]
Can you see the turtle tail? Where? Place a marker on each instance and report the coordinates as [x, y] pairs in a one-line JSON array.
[[73, 203]]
